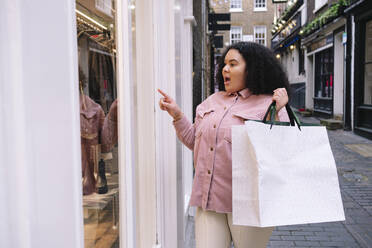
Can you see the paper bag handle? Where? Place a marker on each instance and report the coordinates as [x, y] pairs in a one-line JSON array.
[[272, 111]]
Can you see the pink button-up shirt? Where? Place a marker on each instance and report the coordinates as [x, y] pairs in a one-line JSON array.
[[210, 139]]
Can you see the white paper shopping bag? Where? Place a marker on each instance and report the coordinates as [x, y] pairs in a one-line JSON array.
[[283, 176]]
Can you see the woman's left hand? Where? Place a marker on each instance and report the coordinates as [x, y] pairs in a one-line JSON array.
[[280, 96]]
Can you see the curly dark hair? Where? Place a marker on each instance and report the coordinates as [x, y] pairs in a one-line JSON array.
[[263, 69]]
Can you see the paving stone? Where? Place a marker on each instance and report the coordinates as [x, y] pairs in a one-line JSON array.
[[277, 232], [293, 238], [307, 243], [318, 238], [276, 237], [302, 233], [281, 243]]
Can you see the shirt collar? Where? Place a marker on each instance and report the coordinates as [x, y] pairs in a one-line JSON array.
[[244, 93]]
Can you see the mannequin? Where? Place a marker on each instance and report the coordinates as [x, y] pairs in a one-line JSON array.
[[91, 124]]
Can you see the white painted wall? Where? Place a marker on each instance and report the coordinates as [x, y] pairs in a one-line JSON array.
[[291, 61], [310, 71], [126, 59], [338, 101], [186, 90], [146, 166], [40, 168]]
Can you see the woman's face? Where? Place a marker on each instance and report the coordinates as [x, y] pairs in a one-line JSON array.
[[234, 71]]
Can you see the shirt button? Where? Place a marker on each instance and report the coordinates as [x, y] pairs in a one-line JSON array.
[[224, 108], [209, 172], [211, 148], [214, 126]]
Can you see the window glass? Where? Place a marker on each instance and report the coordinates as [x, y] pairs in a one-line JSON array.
[[235, 34], [260, 4], [96, 30], [324, 77], [368, 65], [236, 4], [319, 3], [260, 35]]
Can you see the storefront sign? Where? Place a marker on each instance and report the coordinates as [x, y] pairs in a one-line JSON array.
[[344, 38], [218, 41], [213, 20], [290, 27], [321, 43]]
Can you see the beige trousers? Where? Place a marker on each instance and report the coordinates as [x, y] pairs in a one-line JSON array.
[[215, 230]]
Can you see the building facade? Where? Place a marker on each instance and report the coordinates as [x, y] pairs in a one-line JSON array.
[[358, 81], [328, 41], [324, 58], [286, 43], [144, 46], [250, 20]]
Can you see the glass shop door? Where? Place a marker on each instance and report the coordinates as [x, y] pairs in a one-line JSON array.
[[96, 28]]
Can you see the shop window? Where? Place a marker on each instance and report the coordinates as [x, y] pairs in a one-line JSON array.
[[324, 74], [235, 34], [367, 99], [98, 121], [260, 5], [301, 58], [260, 35], [235, 5]]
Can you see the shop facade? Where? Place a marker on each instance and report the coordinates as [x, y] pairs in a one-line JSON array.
[[126, 50], [359, 66], [286, 43], [325, 65], [325, 68]]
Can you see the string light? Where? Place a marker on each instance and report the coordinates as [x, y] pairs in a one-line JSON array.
[[91, 19]]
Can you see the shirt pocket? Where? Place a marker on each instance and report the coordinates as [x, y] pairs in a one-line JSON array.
[[205, 113], [205, 116], [89, 125]]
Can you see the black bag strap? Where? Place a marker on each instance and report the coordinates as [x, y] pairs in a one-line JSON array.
[[271, 111]]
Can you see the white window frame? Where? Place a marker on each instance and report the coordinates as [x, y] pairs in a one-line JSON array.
[[319, 4], [255, 31], [236, 6], [236, 30], [257, 9]]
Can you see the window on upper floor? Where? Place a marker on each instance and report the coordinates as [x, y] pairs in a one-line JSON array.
[[260, 35], [319, 4], [260, 5], [235, 34], [236, 5]]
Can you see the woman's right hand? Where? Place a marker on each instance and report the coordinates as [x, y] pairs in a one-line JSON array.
[[166, 103]]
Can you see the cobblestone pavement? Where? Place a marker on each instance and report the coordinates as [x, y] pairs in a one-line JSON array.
[[355, 177]]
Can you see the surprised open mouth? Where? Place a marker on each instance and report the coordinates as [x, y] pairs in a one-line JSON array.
[[227, 80]]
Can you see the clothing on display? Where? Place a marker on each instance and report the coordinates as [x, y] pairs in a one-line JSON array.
[[101, 80], [110, 128], [91, 124]]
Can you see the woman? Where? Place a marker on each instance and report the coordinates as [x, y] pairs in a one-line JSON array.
[[252, 78]]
